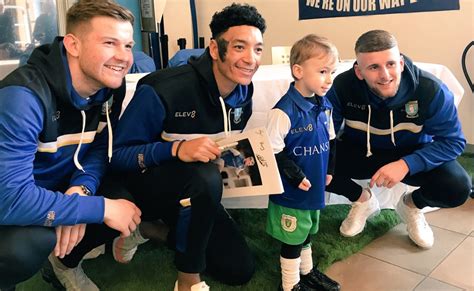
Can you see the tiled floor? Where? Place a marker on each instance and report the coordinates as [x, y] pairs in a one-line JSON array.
[[393, 263]]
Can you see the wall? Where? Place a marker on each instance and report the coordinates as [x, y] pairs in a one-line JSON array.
[[434, 37], [134, 7], [181, 27]]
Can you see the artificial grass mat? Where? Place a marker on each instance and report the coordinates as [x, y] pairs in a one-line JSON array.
[[152, 267]]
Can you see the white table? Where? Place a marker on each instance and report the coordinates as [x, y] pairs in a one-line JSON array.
[[270, 83], [7, 66]]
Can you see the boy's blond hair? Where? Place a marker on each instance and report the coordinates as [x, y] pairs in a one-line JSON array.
[[309, 47]]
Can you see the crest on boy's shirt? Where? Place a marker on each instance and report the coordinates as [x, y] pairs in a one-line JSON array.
[[288, 222], [411, 108], [238, 115], [109, 102]]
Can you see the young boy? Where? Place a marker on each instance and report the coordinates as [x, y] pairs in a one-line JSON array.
[[301, 131]]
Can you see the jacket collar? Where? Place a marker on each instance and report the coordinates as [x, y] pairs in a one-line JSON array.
[[299, 99]]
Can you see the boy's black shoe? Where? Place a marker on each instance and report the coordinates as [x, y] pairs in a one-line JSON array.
[[298, 287], [318, 281]]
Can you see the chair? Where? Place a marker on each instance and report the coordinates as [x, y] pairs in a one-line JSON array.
[[142, 63], [181, 57], [281, 55]]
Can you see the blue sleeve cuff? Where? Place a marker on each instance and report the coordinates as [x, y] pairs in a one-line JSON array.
[[162, 152], [415, 163], [91, 209]]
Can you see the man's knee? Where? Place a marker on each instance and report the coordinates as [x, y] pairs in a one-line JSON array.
[[237, 266], [234, 271], [456, 185], [461, 188], [206, 183], [240, 274], [24, 250], [35, 246]]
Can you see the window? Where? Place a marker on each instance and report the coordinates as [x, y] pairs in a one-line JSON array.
[[24, 25]]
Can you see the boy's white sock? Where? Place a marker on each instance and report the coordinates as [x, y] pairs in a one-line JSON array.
[[290, 272], [306, 260]]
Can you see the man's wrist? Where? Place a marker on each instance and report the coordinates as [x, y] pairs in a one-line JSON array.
[[176, 147], [404, 165]]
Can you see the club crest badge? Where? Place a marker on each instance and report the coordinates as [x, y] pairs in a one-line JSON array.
[[411, 108], [56, 116], [50, 217], [288, 223], [238, 115]]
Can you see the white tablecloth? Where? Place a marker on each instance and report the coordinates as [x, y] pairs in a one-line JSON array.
[[270, 83]]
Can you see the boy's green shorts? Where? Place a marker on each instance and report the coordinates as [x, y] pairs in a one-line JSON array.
[[289, 225]]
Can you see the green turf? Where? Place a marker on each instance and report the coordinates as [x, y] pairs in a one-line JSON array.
[[152, 268], [467, 161]]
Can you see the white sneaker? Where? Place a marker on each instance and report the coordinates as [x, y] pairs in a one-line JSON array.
[[124, 248], [201, 286], [73, 279], [360, 212], [418, 229]]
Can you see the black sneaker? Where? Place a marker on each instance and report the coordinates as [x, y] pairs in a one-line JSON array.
[[11, 288], [298, 287], [318, 281]]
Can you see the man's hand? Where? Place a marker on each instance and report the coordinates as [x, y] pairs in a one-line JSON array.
[[201, 149], [67, 237], [122, 215], [305, 185], [390, 174]]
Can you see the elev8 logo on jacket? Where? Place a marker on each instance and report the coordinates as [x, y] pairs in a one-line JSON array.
[[185, 114]]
